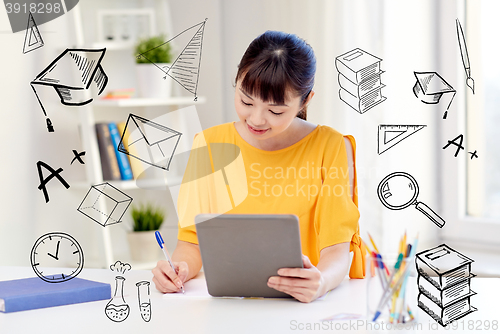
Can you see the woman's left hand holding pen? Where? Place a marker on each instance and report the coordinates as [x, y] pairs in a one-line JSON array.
[[304, 284]]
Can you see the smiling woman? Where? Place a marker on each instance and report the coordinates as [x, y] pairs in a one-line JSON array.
[[273, 88], [271, 125], [275, 63]]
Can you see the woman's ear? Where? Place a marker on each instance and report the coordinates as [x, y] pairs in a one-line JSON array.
[[308, 98]]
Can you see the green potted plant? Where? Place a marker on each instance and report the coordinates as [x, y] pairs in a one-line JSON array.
[[152, 53], [146, 220]]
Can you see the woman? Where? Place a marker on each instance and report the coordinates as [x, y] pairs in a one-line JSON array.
[[292, 167]]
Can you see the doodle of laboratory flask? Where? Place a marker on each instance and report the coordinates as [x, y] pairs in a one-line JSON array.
[[117, 309], [144, 300]]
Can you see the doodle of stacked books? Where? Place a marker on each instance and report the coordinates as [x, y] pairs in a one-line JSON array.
[[360, 80], [444, 277]]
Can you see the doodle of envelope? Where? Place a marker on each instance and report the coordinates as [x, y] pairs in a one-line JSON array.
[[149, 141], [71, 75]]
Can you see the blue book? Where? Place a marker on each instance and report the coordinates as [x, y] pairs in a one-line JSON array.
[[123, 163], [32, 293]]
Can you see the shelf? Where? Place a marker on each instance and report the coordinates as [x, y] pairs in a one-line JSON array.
[[116, 46], [129, 185], [147, 102]]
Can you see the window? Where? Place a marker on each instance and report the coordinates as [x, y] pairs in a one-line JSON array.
[[471, 185], [483, 119]]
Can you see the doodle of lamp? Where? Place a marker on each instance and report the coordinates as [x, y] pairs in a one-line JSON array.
[[106, 196], [71, 75]]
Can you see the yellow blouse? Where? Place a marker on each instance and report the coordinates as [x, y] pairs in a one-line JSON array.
[[310, 179]]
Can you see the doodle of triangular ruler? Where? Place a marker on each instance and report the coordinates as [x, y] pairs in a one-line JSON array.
[[390, 135], [32, 40], [186, 67]]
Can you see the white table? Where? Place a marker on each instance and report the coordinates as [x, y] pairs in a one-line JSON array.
[[200, 313]]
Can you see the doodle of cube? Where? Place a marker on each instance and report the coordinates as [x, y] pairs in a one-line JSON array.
[[105, 197]]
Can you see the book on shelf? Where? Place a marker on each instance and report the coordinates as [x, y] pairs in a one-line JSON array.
[[119, 94], [34, 293], [135, 164], [357, 65], [109, 163], [121, 158]]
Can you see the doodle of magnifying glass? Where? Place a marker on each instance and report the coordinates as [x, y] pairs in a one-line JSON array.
[[400, 190]]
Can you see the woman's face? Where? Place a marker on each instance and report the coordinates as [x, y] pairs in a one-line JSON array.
[[264, 120]]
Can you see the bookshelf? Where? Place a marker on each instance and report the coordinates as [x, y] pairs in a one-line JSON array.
[[87, 120]]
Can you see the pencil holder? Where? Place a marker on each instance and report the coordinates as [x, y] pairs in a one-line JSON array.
[[390, 289]]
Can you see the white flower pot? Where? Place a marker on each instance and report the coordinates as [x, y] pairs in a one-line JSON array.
[[143, 246], [151, 82]]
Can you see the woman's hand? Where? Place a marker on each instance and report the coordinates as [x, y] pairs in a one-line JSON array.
[[304, 284], [166, 279]]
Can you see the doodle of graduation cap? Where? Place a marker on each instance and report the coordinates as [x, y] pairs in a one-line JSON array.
[[71, 75], [429, 88]]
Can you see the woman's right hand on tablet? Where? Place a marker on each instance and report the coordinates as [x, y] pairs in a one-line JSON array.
[[166, 279]]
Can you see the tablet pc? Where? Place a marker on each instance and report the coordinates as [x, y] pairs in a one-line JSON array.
[[240, 252]]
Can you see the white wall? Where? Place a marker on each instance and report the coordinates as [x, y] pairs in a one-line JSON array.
[[25, 216]]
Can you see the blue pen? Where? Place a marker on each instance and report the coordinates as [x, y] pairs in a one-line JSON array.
[[380, 265], [165, 251]]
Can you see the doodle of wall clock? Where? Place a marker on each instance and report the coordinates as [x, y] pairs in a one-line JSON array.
[[54, 250]]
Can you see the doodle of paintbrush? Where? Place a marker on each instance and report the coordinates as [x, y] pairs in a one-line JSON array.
[[465, 56]]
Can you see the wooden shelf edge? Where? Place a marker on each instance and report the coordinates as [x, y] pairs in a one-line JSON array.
[[128, 185], [147, 102], [114, 45]]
